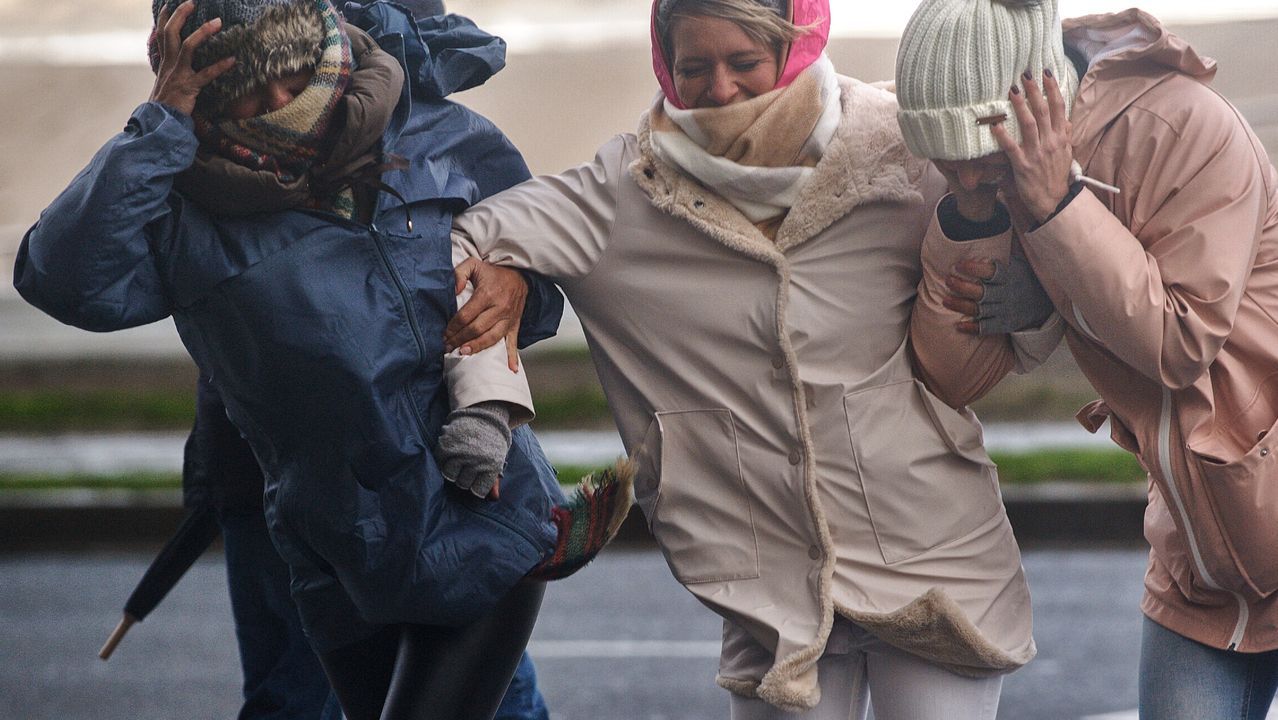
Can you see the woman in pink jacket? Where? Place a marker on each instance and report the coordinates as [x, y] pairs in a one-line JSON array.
[[1147, 209]]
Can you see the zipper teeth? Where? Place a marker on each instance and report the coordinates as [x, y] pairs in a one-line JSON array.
[[412, 320], [1164, 459]]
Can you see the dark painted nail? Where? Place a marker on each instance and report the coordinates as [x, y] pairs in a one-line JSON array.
[[1016, 90], [1027, 75], [1048, 73]]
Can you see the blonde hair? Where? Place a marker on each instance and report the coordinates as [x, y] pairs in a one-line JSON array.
[[759, 22]]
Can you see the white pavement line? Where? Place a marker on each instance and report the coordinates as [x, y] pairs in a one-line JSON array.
[[546, 649], [1135, 715]]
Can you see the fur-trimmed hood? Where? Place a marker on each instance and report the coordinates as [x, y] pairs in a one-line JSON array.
[[866, 162]]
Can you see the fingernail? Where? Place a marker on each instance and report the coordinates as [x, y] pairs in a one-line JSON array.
[[466, 351], [1027, 75], [1048, 73], [1016, 90]]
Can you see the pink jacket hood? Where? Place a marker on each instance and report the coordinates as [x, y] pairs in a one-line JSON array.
[[1135, 53], [803, 52]]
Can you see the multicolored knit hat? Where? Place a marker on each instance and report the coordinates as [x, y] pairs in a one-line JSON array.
[[270, 39], [957, 62]]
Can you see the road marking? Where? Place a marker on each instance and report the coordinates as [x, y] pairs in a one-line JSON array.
[[540, 649], [1135, 715]]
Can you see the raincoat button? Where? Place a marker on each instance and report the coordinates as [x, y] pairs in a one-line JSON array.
[[795, 457], [778, 363], [814, 552], [1264, 452], [699, 204]]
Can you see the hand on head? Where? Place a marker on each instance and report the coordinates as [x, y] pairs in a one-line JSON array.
[[1042, 163], [177, 83]]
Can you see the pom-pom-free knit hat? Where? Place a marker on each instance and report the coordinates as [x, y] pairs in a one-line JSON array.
[[957, 62], [269, 39]]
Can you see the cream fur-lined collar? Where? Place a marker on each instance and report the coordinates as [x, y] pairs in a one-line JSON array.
[[866, 162]]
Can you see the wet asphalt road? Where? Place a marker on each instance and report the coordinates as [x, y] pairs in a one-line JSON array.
[[620, 640]]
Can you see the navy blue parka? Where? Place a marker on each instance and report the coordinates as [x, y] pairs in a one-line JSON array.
[[324, 338]]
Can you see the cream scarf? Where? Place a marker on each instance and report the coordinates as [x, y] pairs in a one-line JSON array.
[[756, 154]]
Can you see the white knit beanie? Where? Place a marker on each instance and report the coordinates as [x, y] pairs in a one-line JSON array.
[[958, 61]]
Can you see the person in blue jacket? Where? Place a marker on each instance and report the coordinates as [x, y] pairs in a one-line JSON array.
[[286, 197], [282, 678]]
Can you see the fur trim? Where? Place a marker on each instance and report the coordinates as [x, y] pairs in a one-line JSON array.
[[866, 162], [284, 40], [744, 688], [672, 192], [936, 629], [778, 685]]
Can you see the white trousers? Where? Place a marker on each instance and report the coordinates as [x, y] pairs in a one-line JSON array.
[[858, 669]]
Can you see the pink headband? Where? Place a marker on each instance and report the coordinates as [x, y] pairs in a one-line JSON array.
[[803, 52]]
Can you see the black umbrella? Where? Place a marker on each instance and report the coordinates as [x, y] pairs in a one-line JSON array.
[[198, 530]]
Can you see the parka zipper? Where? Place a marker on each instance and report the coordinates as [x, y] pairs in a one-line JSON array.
[[1164, 460], [406, 298]]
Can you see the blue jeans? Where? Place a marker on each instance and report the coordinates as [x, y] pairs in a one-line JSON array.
[[283, 679], [1181, 679]]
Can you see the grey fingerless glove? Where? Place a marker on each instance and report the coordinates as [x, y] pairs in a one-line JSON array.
[[473, 446], [1013, 300]]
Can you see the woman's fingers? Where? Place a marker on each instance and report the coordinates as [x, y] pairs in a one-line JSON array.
[[482, 331], [196, 39], [1037, 105], [173, 29], [1024, 118], [490, 337], [464, 273], [512, 347], [979, 269], [1007, 145], [968, 327], [211, 73], [966, 308], [964, 288], [1055, 102]]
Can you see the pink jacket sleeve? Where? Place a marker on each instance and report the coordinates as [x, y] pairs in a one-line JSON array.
[[1162, 295]]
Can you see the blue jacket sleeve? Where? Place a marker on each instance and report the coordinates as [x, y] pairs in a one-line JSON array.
[[542, 311], [88, 260]]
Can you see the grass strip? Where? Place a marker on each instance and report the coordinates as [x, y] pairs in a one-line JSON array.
[[1095, 465], [1086, 465], [101, 410], [52, 411]]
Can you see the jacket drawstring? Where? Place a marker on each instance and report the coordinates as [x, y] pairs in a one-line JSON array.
[[1076, 175]]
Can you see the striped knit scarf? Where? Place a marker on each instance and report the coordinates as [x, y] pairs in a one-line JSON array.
[[288, 141], [757, 154]]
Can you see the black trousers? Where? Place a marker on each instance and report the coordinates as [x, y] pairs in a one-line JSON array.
[[426, 672]]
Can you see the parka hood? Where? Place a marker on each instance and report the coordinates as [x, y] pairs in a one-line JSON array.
[[811, 14], [1131, 52], [442, 54]]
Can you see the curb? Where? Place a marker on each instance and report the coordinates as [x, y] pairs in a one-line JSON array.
[[1056, 513]]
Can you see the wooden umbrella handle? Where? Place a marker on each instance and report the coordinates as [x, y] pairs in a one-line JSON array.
[[116, 636]]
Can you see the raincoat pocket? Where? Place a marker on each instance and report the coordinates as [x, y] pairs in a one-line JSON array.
[[695, 497], [1244, 494], [925, 473]]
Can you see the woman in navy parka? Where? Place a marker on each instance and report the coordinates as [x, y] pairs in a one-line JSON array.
[[302, 248]]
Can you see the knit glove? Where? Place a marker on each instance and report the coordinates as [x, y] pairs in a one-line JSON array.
[[1013, 299], [473, 446]]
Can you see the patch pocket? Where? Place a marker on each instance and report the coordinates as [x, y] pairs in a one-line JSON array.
[[1245, 494], [926, 477], [701, 514]]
